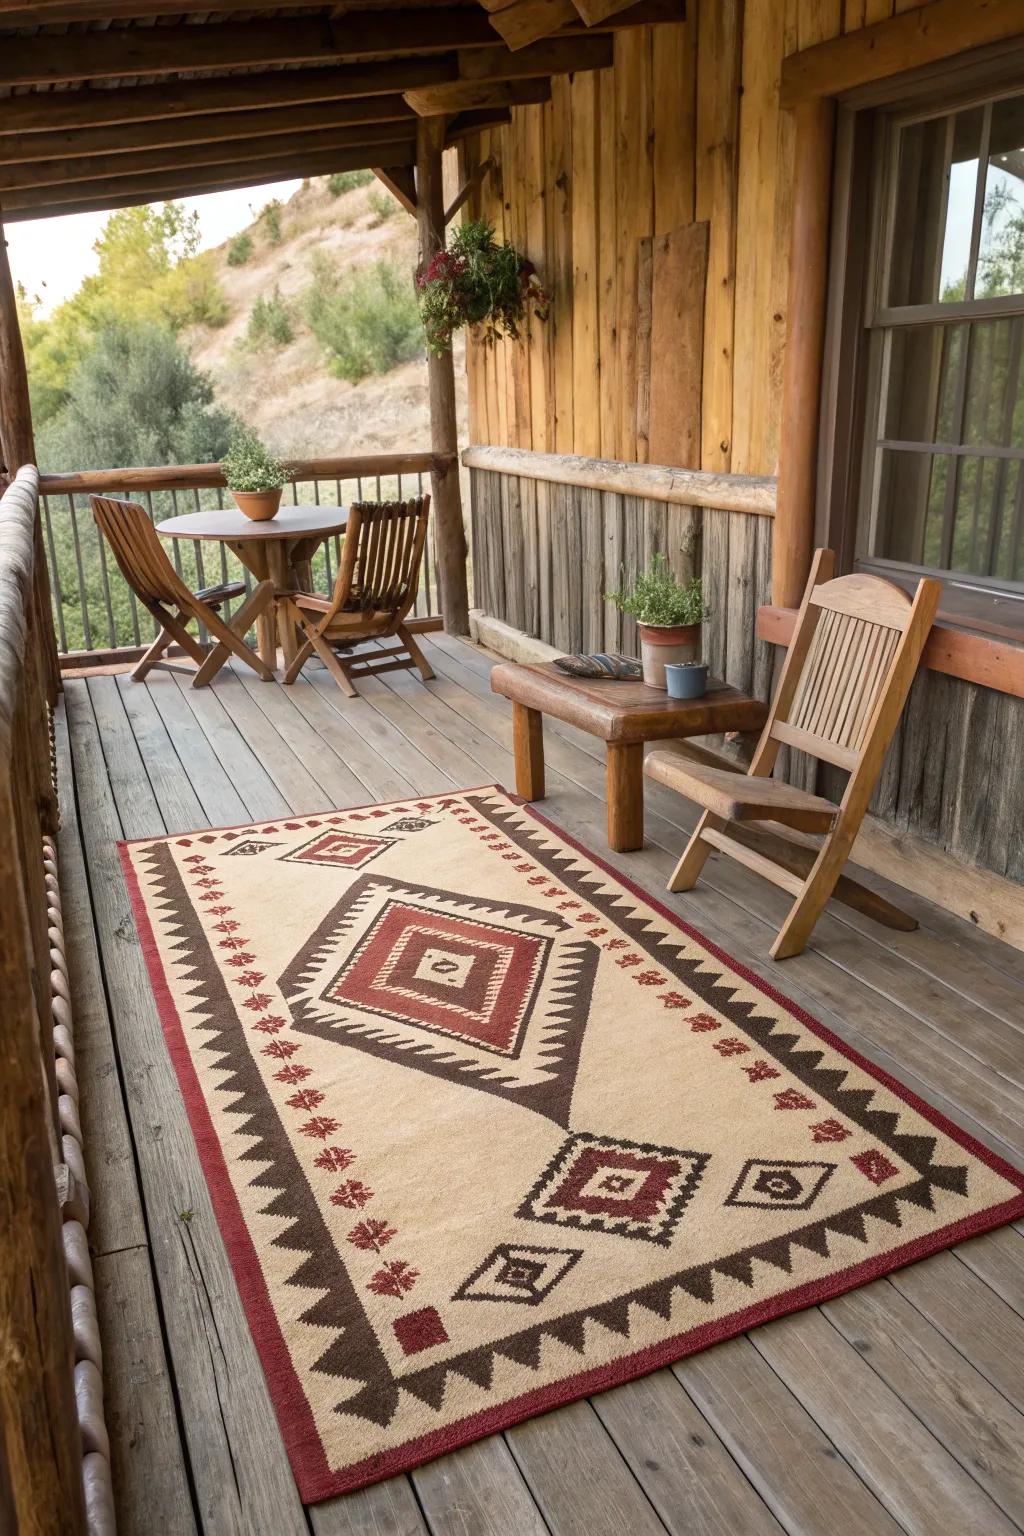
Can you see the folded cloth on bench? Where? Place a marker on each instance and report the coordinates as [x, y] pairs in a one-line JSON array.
[[623, 668]]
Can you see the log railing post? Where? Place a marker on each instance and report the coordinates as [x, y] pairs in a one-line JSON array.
[[793, 541], [450, 533], [40, 1445]]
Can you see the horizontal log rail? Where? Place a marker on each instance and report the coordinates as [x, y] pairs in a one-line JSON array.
[[98, 620], [41, 1477], [986, 660], [655, 482], [187, 477]]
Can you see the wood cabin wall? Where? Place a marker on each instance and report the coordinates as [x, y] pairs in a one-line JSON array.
[[604, 189]]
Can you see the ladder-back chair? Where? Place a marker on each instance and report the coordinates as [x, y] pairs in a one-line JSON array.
[[378, 576], [852, 658], [146, 568]]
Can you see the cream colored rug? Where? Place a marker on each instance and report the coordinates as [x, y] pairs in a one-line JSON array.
[[487, 1129]]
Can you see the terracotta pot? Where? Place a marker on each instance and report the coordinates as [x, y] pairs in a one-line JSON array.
[[261, 506], [662, 643]]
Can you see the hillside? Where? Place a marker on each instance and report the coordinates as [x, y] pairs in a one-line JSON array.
[[288, 393]]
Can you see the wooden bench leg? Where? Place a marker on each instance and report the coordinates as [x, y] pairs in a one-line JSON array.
[[625, 786], [528, 746]]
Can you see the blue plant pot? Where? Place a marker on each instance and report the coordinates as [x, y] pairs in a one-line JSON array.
[[686, 679]]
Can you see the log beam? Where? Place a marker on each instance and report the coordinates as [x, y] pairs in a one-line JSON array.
[[793, 542], [465, 123], [471, 95], [129, 191], [17, 443], [372, 142], [209, 128], [401, 183], [469, 186], [450, 533]]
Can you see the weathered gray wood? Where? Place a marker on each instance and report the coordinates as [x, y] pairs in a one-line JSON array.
[[478, 1491], [592, 582], [691, 487], [916, 1479], [998, 1259], [971, 1419], [239, 1469], [151, 1491], [514, 551], [679, 1461], [581, 1486]]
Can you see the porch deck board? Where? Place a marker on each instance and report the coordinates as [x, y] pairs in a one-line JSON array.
[[897, 1408]]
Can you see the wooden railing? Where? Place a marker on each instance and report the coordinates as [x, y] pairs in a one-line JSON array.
[[41, 1487], [96, 613]]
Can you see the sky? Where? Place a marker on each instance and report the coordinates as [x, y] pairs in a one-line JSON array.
[[52, 256]]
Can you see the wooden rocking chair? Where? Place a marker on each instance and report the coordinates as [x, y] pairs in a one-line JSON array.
[[146, 568], [378, 575], [851, 661]]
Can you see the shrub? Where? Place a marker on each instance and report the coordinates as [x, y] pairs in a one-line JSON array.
[[249, 466], [382, 205], [367, 321], [270, 324], [270, 218], [347, 181], [240, 250]]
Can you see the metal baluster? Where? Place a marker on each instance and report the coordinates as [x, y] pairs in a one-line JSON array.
[[148, 498], [82, 594], [105, 585], [55, 588]]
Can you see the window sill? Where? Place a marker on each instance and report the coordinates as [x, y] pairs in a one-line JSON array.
[[989, 660]]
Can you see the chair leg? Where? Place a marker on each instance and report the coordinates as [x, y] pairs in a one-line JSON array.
[[152, 656], [229, 638], [425, 669], [695, 855], [810, 903], [335, 666]]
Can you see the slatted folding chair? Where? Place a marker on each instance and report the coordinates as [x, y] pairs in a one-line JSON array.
[[378, 576], [851, 661], [146, 568]]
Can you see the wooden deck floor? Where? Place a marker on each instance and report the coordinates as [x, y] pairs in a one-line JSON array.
[[898, 1407]]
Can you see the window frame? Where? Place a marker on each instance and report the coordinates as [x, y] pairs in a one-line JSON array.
[[864, 190]]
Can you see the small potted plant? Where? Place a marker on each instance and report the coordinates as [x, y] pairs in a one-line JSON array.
[[668, 615], [254, 477]]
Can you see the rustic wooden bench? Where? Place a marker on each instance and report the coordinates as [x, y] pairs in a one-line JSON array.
[[624, 715]]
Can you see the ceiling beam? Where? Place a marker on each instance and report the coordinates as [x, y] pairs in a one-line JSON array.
[[153, 186], [554, 56], [467, 95], [93, 107], [520, 22], [594, 11], [371, 141], [63, 59], [119, 138], [467, 123]]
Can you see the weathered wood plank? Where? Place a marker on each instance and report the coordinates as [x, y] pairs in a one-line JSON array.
[[678, 277]]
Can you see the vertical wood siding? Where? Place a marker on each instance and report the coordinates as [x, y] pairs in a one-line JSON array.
[[685, 127]]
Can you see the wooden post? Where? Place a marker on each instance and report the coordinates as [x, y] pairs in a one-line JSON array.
[[16, 437], [793, 539], [449, 533]]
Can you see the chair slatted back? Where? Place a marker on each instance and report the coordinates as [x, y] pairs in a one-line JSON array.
[[381, 555], [849, 633], [136, 546]]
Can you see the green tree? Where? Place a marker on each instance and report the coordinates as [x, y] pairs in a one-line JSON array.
[[135, 397]]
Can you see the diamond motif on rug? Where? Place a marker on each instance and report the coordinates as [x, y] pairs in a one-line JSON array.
[[248, 847], [347, 850], [773, 1184], [445, 985], [518, 1273], [609, 1185]]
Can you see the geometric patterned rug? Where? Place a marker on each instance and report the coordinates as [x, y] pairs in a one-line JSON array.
[[487, 1129]]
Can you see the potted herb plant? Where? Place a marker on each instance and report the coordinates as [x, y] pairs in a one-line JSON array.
[[668, 613], [254, 477]]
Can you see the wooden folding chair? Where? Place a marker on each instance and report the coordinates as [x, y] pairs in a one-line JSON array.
[[378, 576], [145, 566], [851, 661]]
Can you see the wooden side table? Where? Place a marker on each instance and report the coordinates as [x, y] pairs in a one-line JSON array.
[[625, 715]]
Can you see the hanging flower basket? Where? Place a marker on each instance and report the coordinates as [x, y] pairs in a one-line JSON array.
[[480, 282]]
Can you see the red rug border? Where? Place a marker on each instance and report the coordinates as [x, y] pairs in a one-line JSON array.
[[313, 1476]]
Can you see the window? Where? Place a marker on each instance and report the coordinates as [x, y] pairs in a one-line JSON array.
[[935, 434]]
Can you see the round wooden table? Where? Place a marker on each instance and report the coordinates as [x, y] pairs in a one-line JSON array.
[[279, 550]]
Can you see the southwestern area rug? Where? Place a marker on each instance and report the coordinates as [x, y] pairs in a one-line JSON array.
[[487, 1129]]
